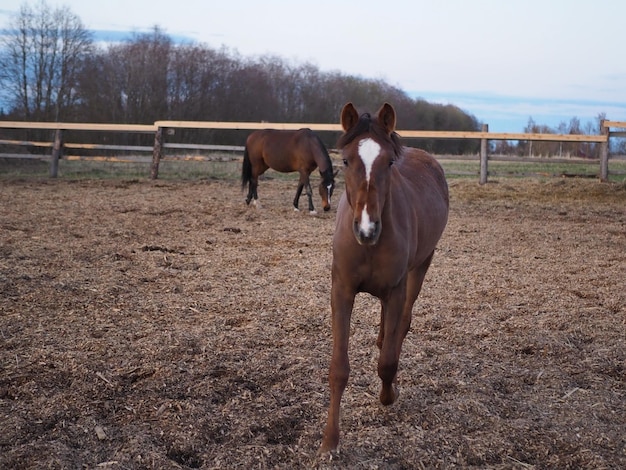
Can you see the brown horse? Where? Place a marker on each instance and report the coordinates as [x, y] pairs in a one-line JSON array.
[[287, 151], [389, 220]]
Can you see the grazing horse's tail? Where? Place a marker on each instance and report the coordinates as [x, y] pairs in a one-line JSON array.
[[246, 169]]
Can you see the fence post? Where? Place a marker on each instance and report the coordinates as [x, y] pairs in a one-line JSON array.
[[57, 152], [156, 153], [604, 153], [483, 156]]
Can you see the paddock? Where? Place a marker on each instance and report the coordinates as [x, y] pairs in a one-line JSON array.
[[165, 324]]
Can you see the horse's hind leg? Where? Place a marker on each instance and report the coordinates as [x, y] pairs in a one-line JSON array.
[[415, 280], [381, 330], [414, 283], [390, 338], [395, 323], [252, 191]]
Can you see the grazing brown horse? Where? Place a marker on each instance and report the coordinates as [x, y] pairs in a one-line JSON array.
[[287, 151], [389, 220]]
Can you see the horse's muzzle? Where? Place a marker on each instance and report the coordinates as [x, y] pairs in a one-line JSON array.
[[367, 235]]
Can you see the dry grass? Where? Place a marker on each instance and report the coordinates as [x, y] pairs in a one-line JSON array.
[[166, 325]]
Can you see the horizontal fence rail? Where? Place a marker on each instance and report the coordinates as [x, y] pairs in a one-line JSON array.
[[77, 126], [160, 128]]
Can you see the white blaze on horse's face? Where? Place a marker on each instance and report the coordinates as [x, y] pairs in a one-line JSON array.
[[369, 150], [366, 227]]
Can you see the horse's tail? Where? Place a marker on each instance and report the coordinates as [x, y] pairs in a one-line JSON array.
[[246, 168]]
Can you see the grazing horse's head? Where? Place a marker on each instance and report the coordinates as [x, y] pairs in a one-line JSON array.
[[326, 187], [369, 147]]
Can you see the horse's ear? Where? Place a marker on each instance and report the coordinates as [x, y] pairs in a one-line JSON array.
[[349, 117], [387, 117]]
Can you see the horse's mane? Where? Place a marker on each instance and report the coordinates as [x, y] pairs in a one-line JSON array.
[[324, 149], [327, 175], [368, 124]]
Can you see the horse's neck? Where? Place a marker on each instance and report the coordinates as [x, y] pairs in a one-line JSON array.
[[326, 174], [324, 164], [400, 211], [321, 156]]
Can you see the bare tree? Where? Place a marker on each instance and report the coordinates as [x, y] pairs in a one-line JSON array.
[[128, 82], [40, 59], [50, 70], [142, 64]]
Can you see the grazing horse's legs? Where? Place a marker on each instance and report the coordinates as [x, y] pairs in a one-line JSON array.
[[341, 306], [252, 189], [258, 168], [304, 183], [309, 193], [296, 200]]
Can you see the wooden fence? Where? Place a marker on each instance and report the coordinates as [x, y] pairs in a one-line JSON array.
[[159, 129]]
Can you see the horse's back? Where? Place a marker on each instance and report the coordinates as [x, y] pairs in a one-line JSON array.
[[425, 189], [422, 168], [279, 149], [424, 176], [274, 138]]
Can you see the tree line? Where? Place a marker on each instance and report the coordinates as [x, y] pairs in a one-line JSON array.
[[51, 69]]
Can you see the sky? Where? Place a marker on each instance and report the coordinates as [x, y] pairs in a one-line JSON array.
[[501, 61]]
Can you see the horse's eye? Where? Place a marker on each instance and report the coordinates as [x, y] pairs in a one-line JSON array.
[[391, 162], [345, 162]]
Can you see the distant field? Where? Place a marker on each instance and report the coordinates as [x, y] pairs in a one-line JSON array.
[[455, 168], [229, 167]]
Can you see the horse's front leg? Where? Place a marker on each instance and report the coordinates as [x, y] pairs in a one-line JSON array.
[[296, 200], [341, 306], [392, 337], [309, 193]]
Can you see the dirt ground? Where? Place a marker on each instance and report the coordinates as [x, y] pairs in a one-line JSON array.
[[167, 325]]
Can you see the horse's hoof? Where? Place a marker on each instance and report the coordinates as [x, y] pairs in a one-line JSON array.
[[389, 396], [328, 451], [295, 209], [313, 212]]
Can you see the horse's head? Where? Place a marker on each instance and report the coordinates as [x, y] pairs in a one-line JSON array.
[[327, 186], [369, 147]]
